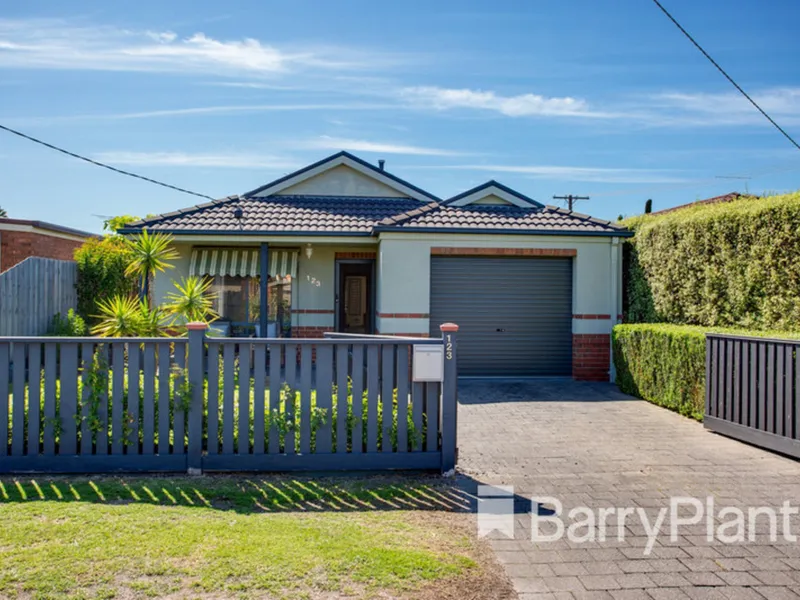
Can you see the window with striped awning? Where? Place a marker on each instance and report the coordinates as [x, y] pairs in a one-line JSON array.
[[243, 262]]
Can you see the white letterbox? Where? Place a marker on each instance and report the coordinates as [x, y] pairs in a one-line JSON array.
[[428, 363]]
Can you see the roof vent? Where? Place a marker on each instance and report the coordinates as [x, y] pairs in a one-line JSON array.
[[238, 213], [381, 163]]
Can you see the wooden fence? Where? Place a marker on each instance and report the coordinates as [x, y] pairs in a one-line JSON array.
[[753, 390], [218, 404], [34, 290]]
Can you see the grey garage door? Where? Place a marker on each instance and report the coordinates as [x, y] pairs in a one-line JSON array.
[[515, 314]]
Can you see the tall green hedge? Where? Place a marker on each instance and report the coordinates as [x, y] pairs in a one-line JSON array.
[[665, 364], [723, 265], [101, 273]]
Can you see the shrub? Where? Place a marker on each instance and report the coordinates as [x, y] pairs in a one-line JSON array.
[[71, 325], [101, 273], [722, 265], [665, 364]]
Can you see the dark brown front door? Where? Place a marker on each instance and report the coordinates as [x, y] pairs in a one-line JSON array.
[[354, 298]]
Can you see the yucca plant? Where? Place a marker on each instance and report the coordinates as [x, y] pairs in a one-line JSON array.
[[191, 301], [120, 316], [153, 322], [151, 253]]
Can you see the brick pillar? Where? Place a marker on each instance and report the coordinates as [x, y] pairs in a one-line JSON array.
[[591, 356]]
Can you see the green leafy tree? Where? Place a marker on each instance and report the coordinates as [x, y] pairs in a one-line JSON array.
[[102, 266], [191, 301], [3, 212], [112, 224], [151, 253]]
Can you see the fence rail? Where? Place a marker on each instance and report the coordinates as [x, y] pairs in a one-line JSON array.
[[34, 290], [753, 390], [216, 404]]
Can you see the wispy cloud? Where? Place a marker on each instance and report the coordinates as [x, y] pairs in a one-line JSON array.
[[336, 143], [573, 173], [185, 159], [727, 108], [523, 105], [57, 44]]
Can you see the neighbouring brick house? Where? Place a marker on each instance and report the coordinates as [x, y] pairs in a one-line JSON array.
[[20, 239], [343, 245]]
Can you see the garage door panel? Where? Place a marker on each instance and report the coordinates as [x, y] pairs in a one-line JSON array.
[[514, 314]]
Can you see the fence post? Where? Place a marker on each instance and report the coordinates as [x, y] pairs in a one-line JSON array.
[[197, 335], [449, 398]]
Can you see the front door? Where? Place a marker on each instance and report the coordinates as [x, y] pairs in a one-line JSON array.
[[354, 297]]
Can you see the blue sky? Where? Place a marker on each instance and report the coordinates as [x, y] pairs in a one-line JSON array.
[[605, 99]]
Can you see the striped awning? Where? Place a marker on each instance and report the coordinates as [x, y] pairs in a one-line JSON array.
[[243, 262]]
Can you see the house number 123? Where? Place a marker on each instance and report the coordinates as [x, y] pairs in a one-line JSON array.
[[448, 348]]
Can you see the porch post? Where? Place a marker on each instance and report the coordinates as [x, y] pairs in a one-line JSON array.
[[263, 320]]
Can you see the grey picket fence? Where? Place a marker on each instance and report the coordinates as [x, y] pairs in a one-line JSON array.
[[753, 390], [34, 290], [196, 404]]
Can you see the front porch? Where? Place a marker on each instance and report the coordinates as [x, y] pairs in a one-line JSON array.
[[277, 289]]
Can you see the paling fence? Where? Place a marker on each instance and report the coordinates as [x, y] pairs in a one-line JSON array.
[[753, 390], [199, 403], [34, 290]]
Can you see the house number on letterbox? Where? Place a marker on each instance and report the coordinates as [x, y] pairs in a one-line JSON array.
[[428, 363]]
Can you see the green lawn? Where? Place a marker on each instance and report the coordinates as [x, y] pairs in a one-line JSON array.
[[231, 537]]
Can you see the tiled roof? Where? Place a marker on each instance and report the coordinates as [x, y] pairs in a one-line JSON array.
[[715, 200], [282, 214], [362, 216], [501, 218]]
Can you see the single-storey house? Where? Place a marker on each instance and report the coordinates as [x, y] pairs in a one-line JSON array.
[[343, 245]]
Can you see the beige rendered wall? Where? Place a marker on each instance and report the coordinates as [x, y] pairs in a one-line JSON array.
[[404, 276]]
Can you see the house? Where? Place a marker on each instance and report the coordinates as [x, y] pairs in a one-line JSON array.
[[715, 200], [343, 245], [20, 239]]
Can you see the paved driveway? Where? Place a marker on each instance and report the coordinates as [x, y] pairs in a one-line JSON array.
[[589, 445]]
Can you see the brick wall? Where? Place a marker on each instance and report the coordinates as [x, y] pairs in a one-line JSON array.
[[591, 356], [16, 246], [309, 332]]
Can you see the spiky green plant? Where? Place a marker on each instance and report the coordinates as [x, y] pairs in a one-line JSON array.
[[153, 322], [151, 253], [191, 301], [120, 316]]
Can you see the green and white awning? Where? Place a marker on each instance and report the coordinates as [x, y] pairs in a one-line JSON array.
[[243, 262]]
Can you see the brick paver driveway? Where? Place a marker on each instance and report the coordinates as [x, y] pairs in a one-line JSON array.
[[590, 445]]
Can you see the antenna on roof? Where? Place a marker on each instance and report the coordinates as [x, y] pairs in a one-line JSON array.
[[746, 179]]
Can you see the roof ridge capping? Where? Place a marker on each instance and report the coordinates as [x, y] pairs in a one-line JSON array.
[[526, 201], [585, 217], [409, 214]]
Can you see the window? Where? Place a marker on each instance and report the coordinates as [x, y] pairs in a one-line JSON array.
[[238, 300]]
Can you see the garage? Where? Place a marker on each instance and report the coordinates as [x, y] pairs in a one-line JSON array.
[[514, 313]]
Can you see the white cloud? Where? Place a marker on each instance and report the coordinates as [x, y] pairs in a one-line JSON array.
[[55, 44], [726, 108], [184, 159], [334, 143], [572, 173], [523, 105]]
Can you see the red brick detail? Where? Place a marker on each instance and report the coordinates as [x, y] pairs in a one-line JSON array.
[[16, 246], [356, 255], [592, 317], [309, 332], [403, 315], [312, 311], [591, 356], [442, 251]]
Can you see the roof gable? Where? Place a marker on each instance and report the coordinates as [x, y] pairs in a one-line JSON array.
[[493, 193], [356, 175]]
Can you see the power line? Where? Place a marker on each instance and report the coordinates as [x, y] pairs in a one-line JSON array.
[[99, 164], [570, 199], [728, 77]]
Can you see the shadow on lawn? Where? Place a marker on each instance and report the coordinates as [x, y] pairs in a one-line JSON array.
[[258, 494]]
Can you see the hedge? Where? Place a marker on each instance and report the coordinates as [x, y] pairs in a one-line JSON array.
[[735, 264], [101, 273], [665, 364]]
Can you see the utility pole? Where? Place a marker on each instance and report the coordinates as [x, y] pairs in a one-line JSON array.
[[570, 199]]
